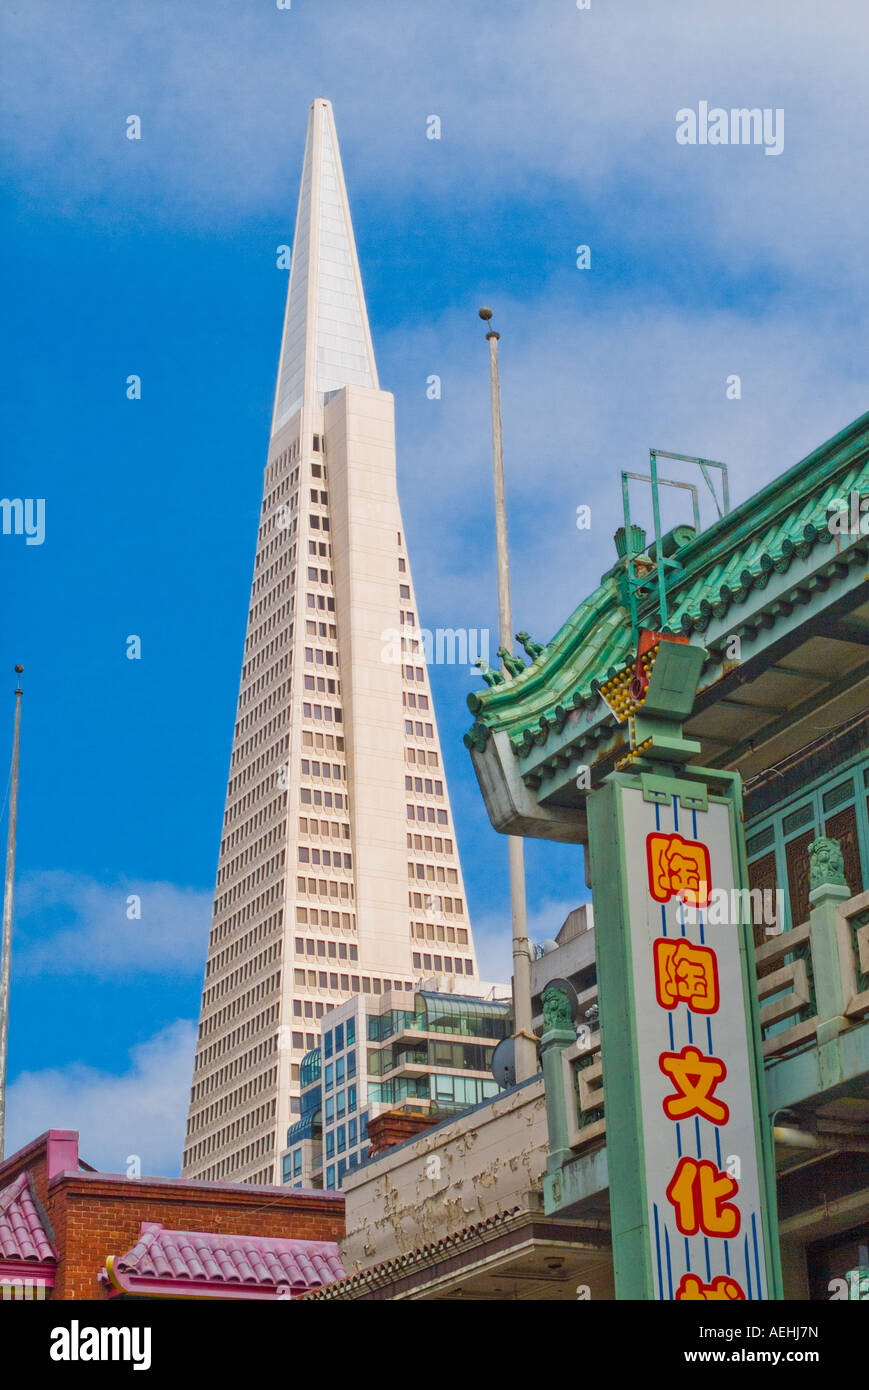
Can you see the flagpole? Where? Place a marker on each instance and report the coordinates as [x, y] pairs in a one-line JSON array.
[[524, 1039], [8, 895]]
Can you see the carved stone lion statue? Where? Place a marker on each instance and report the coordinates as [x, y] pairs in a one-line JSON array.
[[826, 864], [556, 1010]]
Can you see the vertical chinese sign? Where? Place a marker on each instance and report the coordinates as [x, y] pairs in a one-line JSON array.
[[691, 1186]]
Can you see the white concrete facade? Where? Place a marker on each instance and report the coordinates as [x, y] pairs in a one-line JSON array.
[[338, 871]]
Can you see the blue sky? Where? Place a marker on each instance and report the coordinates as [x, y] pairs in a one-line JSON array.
[[158, 257]]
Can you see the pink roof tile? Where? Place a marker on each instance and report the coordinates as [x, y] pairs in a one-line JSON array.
[[261, 1263], [23, 1233]]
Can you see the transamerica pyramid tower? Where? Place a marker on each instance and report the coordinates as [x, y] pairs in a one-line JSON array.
[[338, 872]]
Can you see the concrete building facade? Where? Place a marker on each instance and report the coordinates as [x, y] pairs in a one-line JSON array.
[[338, 872]]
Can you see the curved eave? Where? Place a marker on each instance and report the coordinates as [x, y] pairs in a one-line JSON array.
[[725, 568]]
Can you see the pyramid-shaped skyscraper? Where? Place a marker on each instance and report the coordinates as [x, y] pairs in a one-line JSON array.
[[338, 871]]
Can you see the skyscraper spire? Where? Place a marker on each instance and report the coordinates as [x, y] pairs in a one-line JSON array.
[[326, 341], [338, 872]]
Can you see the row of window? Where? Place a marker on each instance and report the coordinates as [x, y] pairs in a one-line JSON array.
[[323, 685], [412, 701], [324, 712], [252, 691], [417, 730], [321, 656], [319, 576], [325, 888], [320, 917], [239, 1066], [436, 873], [333, 950], [278, 696], [422, 756], [254, 908], [258, 875], [254, 1119], [310, 1008], [215, 1022], [337, 801], [230, 1041], [229, 867], [450, 965], [240, 1159], [276, 617], [238, 806], [325, 603], [433, 844], [425, 785], [430, 814], [261, 735], [329, 829], [242, 945], [438, 931], [331, 742], [256, 822], [268, 760], [245, 971], [343, 1069], [433, 902], [330, 771], [341, 1036], [276, 561], [342, 1138], [229, 1100], [266, 654], [337, 1106]]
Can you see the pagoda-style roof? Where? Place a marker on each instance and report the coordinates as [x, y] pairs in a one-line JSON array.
[[773, 573], [208, 1264], [27, 1248]]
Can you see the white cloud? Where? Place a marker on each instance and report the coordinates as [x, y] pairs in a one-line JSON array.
[[583, 397], [143, 1111], [67, 924], [493, 935], [525, 93]]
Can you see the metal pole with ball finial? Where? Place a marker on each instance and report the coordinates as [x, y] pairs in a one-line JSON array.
[[6, 951], [525, 1041]]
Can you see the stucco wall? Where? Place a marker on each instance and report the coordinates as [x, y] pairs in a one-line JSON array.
[[489, 1160]]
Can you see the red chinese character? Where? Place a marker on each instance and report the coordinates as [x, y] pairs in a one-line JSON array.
[[678, 868], [695, 1077], [686, 974], [722, 1287], [698, 1192]]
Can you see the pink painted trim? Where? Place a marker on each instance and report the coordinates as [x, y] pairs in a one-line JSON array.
[[13, 1271], [202, 1288], [61, 1151]]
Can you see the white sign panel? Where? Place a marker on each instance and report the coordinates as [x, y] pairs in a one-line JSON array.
[[701, 1167]]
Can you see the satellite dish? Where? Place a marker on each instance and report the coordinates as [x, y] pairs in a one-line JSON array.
[[504, 1063], [567, 988], [549, 945]]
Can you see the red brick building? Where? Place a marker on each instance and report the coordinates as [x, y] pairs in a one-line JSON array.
[[70, 1232]]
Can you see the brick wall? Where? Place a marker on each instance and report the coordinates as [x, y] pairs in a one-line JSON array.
[[100, 1215]]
